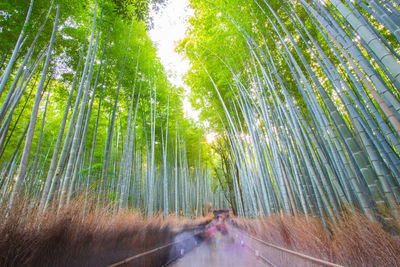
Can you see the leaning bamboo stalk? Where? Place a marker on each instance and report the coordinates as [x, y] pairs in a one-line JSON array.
[[55, 171], [28, 142], [10, 65], [91, 55]]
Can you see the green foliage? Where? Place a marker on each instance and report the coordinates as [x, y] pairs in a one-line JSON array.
[[123, 25]]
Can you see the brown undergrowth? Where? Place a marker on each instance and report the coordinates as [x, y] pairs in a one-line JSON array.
[[354, 241], [72, 237]]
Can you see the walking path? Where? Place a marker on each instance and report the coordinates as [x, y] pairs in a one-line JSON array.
[[221, 251]]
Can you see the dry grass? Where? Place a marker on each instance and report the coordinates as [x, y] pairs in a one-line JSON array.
[[355, 241], [72, 238]]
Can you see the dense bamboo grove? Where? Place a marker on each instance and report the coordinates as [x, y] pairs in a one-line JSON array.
[[311, 105], [87, 111], [303, 96]]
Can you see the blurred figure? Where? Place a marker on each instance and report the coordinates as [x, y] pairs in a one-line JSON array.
[[217, 226]]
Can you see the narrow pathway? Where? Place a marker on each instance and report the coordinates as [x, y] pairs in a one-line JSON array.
[[221, 251]]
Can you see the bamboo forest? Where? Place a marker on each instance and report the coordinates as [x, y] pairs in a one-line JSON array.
[[200, 133]]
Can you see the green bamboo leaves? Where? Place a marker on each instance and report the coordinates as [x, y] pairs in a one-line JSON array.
[[107, 157], [313, 125]]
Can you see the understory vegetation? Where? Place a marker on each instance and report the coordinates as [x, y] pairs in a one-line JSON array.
[[356, 241], [86, 237]]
